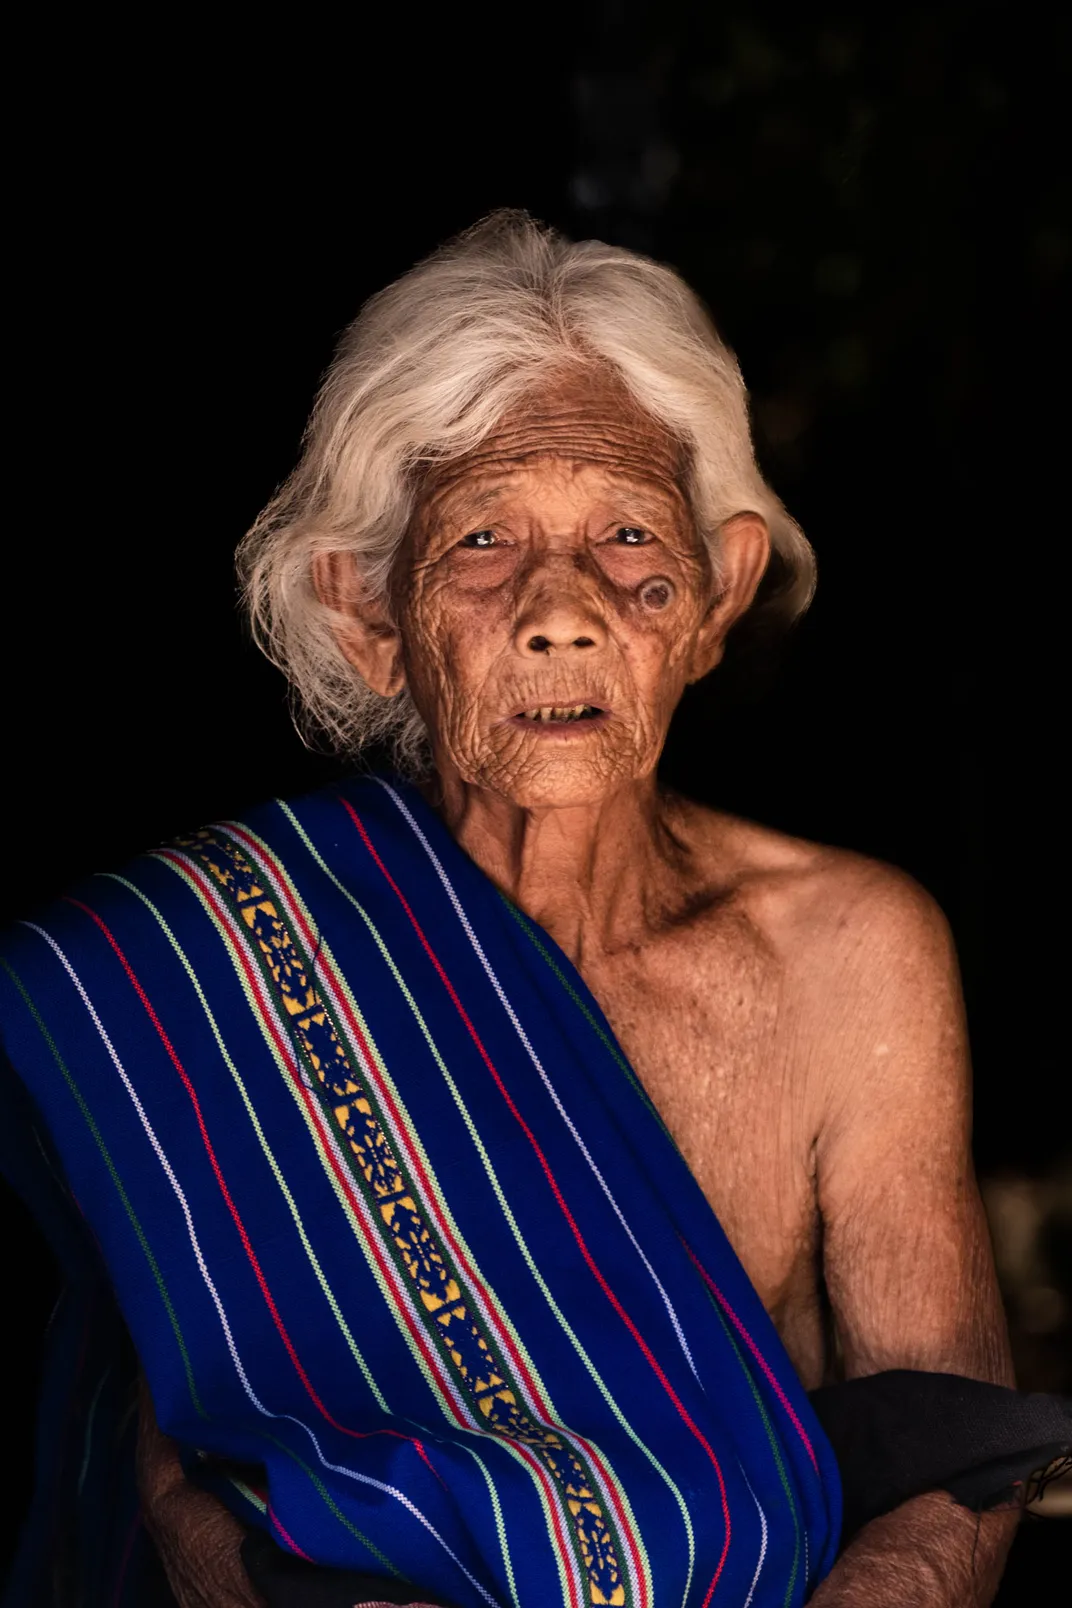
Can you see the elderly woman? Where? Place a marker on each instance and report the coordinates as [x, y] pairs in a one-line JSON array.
[[474, 1152]]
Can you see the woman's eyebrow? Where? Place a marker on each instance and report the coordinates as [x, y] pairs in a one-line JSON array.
[[641, 500], [461, 507], [628, 496]]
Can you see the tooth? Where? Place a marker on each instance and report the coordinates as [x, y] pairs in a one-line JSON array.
[[545, 711], [578, 709]]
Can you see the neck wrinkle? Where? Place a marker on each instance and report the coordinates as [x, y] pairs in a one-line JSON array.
[[594, 876]]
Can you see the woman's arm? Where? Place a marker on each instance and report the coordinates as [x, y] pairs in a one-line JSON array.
[[929, 1551], [198, 1540], [906, 1252]]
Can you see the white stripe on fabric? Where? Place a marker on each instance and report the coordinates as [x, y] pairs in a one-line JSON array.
[[251, 1112], [763, 1535], [402, 1134], [264, 1007], [548, 1085], [335, 1468], [330, 976], [326, 1136], [504, 1204]]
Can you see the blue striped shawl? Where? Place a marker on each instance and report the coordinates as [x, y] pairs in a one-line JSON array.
[[388, 1215]]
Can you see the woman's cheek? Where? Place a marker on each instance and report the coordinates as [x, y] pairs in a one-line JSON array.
[[448, 609], [469, 632]]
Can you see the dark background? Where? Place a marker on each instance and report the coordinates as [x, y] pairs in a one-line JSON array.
[[872, 209]]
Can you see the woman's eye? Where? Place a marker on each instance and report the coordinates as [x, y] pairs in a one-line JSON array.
[[631, 536], [478, 538]]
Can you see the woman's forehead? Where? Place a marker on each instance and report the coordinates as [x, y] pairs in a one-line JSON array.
[[583, 418], [502, 487]]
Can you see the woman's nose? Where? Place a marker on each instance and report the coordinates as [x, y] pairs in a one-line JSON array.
[[560, 614]]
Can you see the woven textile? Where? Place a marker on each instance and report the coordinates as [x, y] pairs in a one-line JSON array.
[[417, 1276]]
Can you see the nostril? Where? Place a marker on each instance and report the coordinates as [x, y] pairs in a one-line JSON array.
[[543, 644]]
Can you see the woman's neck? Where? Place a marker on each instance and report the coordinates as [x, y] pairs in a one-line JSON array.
[[593, 875]]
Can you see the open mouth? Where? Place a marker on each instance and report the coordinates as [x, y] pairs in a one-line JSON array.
[[559, 717], [560, 712]]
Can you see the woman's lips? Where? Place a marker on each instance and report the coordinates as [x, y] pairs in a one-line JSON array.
[[560, 720]]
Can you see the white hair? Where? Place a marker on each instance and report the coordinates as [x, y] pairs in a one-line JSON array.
[[424, 374]]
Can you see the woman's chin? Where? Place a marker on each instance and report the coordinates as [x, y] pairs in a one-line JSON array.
[[561, 780]]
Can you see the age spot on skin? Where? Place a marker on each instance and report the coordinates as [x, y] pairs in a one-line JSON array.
[[657, 593]]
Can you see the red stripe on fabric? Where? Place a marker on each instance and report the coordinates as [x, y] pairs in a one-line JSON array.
[[760, 1358], [357, 1434], [529, 1458], [400, 1125], [253, 977], [259, 851], [289, 1539], [423, 1455], [412, 1155], [284, 1048], [559, 1197], [124, 1564]]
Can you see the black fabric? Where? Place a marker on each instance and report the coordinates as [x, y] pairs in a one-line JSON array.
[[895, 1434], [900, 1433], [79, 1541], [288, 1582]]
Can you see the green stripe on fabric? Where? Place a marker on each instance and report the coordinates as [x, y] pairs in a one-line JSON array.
[[316, 1137], [322, 1094], [515, 1230], [500, 1523], [325, 959], [772, 1437], [158, 1277], [161, 1287], [592, 1021], [113, 1172], [325, 1287], [542, 949], [250, 1496], [328, 1293], [322, 1491]]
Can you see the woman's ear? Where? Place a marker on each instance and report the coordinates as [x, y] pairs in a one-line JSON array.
[[363, 628], [745, 551]]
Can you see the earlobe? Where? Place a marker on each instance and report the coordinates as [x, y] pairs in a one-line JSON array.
[[363, 629], [710, 644]]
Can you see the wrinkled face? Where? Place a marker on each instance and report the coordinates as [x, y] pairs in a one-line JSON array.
[[553, 600]]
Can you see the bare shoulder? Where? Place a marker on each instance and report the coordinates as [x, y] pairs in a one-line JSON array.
[[825, 913], [868, 996]]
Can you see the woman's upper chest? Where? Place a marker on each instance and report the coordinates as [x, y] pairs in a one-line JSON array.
[[707, 1020]]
